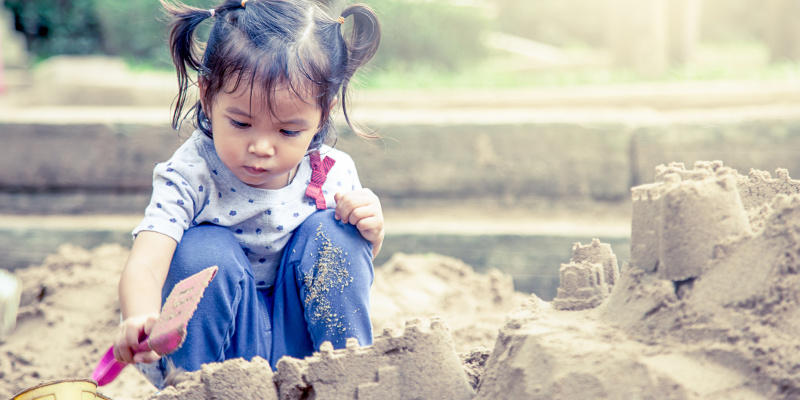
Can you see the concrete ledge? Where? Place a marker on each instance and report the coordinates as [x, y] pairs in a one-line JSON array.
[[502, 161], [508, 162], [511, 156], [73, 202], [48, 157]]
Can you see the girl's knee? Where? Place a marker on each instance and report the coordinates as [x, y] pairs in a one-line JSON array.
[[322, 225], [322, 218], [333, 247]]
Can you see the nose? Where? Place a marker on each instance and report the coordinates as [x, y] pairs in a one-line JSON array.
[[262, 147]]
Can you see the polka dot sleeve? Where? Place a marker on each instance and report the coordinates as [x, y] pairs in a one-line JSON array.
[[173, 204]]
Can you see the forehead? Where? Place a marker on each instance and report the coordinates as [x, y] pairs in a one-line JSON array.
[[278, 98]]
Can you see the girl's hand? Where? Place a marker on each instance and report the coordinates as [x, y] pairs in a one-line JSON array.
[[127, 340], [362, 208]]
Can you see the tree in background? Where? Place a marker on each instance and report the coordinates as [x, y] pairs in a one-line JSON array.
[[57, 26], [438, 34]]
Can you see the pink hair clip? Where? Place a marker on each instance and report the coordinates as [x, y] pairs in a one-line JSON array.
[[213, 12]]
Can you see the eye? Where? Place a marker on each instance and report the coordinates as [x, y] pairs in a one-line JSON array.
[[290, 133], [239, 125]]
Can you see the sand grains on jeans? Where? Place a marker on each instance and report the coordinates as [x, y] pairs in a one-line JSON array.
[[329, 274]]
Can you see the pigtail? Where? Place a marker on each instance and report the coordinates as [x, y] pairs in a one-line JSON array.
[[362, 45], [184, 49]]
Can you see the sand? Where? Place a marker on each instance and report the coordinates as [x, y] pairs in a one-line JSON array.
[[707, 308], [69, 313]]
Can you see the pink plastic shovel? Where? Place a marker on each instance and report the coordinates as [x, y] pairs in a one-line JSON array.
[[169, 331]]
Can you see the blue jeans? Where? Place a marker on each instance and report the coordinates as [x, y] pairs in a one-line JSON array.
[[321, 293]]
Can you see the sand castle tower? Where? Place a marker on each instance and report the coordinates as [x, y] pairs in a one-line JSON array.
[[678, 220], [759, 188], [588, 278], [419, 363]]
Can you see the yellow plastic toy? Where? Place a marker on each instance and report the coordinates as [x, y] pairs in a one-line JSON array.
[[68, 389]]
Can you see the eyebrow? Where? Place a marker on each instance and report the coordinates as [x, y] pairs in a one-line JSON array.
[[301, 122], [234, 110]]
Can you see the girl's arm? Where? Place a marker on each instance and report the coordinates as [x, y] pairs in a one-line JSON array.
[[140, 293], [362, 208]]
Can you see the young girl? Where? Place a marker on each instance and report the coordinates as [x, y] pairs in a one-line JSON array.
[[256, 192]]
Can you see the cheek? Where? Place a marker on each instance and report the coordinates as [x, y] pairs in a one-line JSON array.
[[227, 148]]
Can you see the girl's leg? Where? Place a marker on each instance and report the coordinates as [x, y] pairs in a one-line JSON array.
[[231, 319], [322, 289]]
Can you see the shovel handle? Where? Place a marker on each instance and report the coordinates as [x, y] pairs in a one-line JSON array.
[[108, 368]]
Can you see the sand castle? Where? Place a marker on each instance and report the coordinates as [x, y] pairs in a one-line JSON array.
[[418, 363], [707, 308], [589, 277]]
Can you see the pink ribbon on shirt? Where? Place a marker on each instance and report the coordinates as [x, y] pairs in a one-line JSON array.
[[319, 173]]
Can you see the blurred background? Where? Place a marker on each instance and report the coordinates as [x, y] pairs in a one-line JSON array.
[[478, 43], [511, 129]]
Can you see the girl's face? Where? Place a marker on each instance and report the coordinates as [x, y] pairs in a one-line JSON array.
[[261, 146]]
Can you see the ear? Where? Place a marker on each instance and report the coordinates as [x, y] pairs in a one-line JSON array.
[[334, 102]]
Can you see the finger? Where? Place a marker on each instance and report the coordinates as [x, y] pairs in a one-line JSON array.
[[117, 355], [370, 228], [344, 205], [343, 209], [146, 357], [122, 350], [360, 197], [150, 323], [357, 214], [123, 354], [354, 200], [336, 198], [365, 211], [370, 223], [132, 336]]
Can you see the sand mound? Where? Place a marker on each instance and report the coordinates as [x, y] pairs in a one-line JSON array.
[[421, 286], [67, 320]]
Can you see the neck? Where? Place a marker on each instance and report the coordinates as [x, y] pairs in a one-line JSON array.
[[290, 175]]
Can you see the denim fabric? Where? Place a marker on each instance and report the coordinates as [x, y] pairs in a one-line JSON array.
[[321, 294], [322, 290]]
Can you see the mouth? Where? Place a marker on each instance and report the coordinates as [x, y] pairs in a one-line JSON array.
[[255, 171]]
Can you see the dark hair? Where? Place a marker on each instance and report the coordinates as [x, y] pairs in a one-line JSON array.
[[267, 43]]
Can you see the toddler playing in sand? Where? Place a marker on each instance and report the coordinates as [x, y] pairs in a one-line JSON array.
[[256, 191]]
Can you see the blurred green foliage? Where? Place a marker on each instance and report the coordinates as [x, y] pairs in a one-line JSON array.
[[136, 30], [435, 34], [439, 35], [57, 27]]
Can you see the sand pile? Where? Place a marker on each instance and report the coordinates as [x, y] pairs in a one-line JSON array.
[[67, 320], [422, 286]]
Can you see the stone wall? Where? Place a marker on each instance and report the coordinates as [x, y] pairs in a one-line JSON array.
[[562, 157]]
